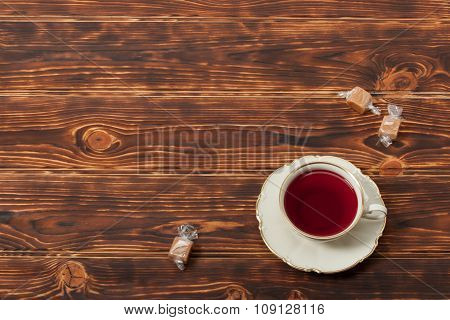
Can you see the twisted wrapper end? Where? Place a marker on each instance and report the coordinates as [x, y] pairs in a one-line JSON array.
[[188, 231]]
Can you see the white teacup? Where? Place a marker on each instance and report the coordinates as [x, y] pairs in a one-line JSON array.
[[372, 211]]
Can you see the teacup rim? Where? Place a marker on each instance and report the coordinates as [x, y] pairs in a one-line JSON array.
[[295, 172]]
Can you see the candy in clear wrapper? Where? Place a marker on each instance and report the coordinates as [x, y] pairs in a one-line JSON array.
[[182, 245], [360, 100], [390, 125]]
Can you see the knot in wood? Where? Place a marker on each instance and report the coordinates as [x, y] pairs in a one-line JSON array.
[[73, 275], [391, 167], [402, 80], [236, 292], [99, 140], [296, 295], [404, 76]]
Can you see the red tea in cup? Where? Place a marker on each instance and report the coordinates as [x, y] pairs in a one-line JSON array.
[[321, 203]]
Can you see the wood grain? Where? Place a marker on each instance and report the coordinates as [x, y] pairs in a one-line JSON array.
[[137, 215], [243, 278], [96, 9], [213, 135], [105, 105], [225, 56]]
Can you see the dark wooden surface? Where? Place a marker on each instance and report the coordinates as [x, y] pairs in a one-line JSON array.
[[106, 105]]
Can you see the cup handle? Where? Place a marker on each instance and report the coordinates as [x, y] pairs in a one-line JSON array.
[[375, 212]]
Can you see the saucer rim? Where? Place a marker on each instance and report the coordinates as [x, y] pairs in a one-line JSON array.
[[260, 222]]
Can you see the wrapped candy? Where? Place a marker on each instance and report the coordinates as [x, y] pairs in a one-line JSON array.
[[360, 100], [182, 245], [390, 126]]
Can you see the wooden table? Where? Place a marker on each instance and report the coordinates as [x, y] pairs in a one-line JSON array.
[[106, 109]]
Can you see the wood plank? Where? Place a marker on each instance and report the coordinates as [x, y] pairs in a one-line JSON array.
[[244, 278], [245, 56], [96, 9], [214, 135], [137, 215]]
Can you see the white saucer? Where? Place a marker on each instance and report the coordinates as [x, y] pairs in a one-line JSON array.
[[314, 255]]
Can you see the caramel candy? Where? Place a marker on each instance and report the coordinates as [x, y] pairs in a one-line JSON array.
[[180, 250], [389, 127], [360, 100], [182, 245]]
